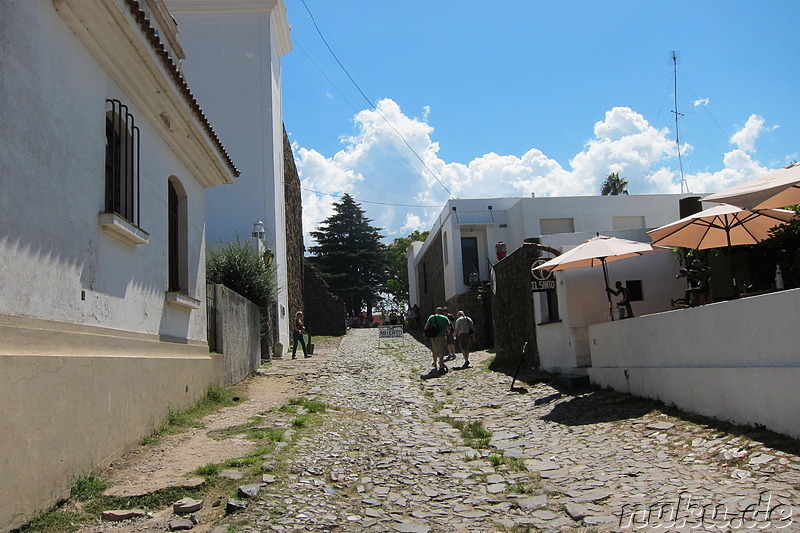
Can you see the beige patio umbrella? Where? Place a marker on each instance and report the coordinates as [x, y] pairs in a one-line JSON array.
[[598, 250], [779, 188], [721, 225]]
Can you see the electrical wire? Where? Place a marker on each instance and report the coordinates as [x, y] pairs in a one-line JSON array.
[[371, 202], [372, 106]]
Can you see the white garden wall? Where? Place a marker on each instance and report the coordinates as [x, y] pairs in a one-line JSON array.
[[737, 360]]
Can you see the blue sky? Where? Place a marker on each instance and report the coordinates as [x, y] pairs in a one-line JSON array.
[[512, 97]]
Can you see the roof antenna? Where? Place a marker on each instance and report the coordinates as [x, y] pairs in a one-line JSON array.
[[684, 185]]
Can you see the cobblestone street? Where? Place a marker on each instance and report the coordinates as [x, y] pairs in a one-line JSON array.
[[389, 455]]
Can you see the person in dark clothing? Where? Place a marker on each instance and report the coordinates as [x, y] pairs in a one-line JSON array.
[[297, 334]]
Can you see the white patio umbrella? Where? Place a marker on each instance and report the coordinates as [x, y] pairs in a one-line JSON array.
[[779, 188], [598, 250], [720, 226]]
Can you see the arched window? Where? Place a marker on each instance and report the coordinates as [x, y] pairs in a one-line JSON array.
[[177, 237], [122, 163]]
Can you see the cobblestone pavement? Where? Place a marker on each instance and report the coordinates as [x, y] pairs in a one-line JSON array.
[[387, 457]]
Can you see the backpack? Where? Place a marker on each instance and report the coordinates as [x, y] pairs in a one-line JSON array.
[[430, 330]]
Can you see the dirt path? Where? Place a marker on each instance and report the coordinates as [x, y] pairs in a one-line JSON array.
[[169, 463]]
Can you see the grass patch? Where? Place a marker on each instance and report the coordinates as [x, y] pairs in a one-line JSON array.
[[270, 434], [251, 431], [312, 406], [88, 487], [300, 421], [511, 464], [523, 487], [88, 492], [208, 470], [179, 421], [474, 434]]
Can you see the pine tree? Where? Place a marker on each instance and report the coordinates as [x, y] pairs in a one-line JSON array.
[[350, 256]]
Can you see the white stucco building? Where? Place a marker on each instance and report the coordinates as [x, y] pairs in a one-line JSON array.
[[105, 158], [468, 232], [233, 64]]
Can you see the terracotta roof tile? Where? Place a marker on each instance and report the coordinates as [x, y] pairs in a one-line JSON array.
[[177, 77]]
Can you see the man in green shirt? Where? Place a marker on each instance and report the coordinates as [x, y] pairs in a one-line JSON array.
[[439, 342]]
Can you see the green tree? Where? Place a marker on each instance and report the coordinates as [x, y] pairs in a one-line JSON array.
[[397, 285], [238, 266], [781, 248], [614, 185], [350, 256]]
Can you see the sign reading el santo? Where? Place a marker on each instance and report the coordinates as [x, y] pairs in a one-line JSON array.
[[543, 280]]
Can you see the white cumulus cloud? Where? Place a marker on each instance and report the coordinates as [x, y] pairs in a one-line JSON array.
[[746, 137], [392, 158]]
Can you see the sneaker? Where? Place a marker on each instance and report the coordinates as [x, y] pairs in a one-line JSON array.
[[465, 365], [306, 356], [443, 370], [294, 357]]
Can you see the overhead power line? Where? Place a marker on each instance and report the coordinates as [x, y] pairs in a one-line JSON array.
[[371, 105], [371, 202]]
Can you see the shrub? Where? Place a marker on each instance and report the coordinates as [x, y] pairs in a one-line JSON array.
[[238, 266]]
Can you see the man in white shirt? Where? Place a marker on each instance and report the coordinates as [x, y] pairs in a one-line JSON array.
[[466, 332]]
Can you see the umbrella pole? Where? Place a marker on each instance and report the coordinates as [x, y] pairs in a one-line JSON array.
[[608, 294], [733, 268]]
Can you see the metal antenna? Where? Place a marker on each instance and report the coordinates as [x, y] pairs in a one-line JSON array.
[[684, 185]]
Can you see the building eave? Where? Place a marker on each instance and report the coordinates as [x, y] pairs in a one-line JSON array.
[[120, 37], [241, 7]]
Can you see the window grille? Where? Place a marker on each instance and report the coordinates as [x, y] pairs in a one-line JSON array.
[[122, 162]]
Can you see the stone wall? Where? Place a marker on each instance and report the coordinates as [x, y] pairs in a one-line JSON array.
[[238, 334], [294, 233], [476, 304], [324, 312], [430, 277], [513, 313]]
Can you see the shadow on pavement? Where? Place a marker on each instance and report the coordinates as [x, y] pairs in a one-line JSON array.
[[594, 408]]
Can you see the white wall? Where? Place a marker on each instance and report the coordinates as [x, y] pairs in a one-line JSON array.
[[413, 285], [596, 213], [86, 351], [58, 264], [582, 298], [512, 220], [736, 360], [233, 66]]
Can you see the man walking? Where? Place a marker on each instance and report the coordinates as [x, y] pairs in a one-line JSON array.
[[465, 332], [438, 341]]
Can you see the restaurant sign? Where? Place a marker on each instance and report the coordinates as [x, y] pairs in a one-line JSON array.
[[542, 280]]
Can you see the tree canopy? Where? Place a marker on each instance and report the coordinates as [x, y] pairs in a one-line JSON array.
[[350, 256], [614, 185], [397, 285], [238, 266]]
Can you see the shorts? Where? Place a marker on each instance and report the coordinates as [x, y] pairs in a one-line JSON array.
[[439, 346], [465, 341]]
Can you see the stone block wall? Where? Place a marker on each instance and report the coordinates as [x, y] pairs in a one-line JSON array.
[[476, 304], [238, 334], [513, 312], [294, 234], [324, 312], [430, 277]]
